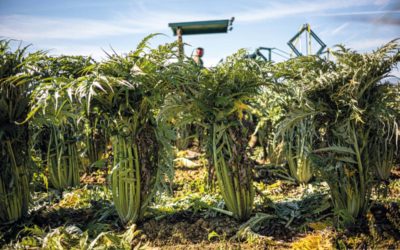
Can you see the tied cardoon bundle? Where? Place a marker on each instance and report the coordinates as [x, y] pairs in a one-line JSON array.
[[296, 131], [219, 100], [54, 117], [355, 115], [127, 92], [15, 161]]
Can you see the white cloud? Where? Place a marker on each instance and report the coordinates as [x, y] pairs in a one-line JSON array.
[[138, 19], [381, 2], [84, 50], [33, 28], [339, 29], [283, 9], [143, 21], [330, 32], [359, 13], [367, 44]]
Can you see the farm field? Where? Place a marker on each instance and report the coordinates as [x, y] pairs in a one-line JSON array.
[[150, 150], [183, 219]]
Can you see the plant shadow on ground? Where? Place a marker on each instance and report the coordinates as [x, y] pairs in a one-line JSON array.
[[185, 227]]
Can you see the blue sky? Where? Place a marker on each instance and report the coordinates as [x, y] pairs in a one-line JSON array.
[[88, 27]]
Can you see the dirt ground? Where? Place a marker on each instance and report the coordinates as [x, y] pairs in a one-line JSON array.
[[286, 216]]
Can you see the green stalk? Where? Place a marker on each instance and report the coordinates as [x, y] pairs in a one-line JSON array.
[[62, 161], [361, 171], [126, 180], [14, 198], [138, 183], [237, 195], [121, 173], [131, 185], [224, 183]]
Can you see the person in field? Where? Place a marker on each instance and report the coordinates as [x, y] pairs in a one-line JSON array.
[[198, 55]]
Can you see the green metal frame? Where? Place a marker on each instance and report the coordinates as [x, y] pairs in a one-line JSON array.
[[306, 28], [257, 53], [202, 27]]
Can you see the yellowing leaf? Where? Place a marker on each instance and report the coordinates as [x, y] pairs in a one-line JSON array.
[[313, 241], [239, 107], [319, 225]]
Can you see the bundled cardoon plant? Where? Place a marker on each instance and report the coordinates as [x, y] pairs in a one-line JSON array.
[[128, 91], [219, 100], [298, 142], [297, 133], [15, 161], [55, 114], [384, 145], [352, 110]]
